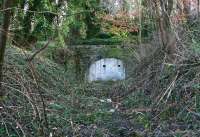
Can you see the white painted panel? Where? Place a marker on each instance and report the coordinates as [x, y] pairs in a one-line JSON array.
[[106, 69]]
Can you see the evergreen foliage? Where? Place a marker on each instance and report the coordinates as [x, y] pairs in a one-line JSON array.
[[47, 47]]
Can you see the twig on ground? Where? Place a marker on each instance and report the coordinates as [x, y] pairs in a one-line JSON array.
[[32, 69], [169, 89]]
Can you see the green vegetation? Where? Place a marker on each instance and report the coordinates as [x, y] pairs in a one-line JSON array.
[[44, 90]]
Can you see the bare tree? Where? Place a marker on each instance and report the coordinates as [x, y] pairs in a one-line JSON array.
[[166, 34], [7, 13], [198, 8], [186, 9]]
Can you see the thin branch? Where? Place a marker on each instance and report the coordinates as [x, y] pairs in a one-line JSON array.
[[38, 51], [39, 12], [169, 89], [43, 12], [33, 71]]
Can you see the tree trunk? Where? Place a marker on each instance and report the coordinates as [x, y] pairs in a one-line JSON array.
[[168, 39], [28, 19], [198, 9], [3, 38], [186, 10]]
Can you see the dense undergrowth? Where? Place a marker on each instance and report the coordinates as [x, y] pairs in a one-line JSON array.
[[157, 99], [44, 99], [49, 96]]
